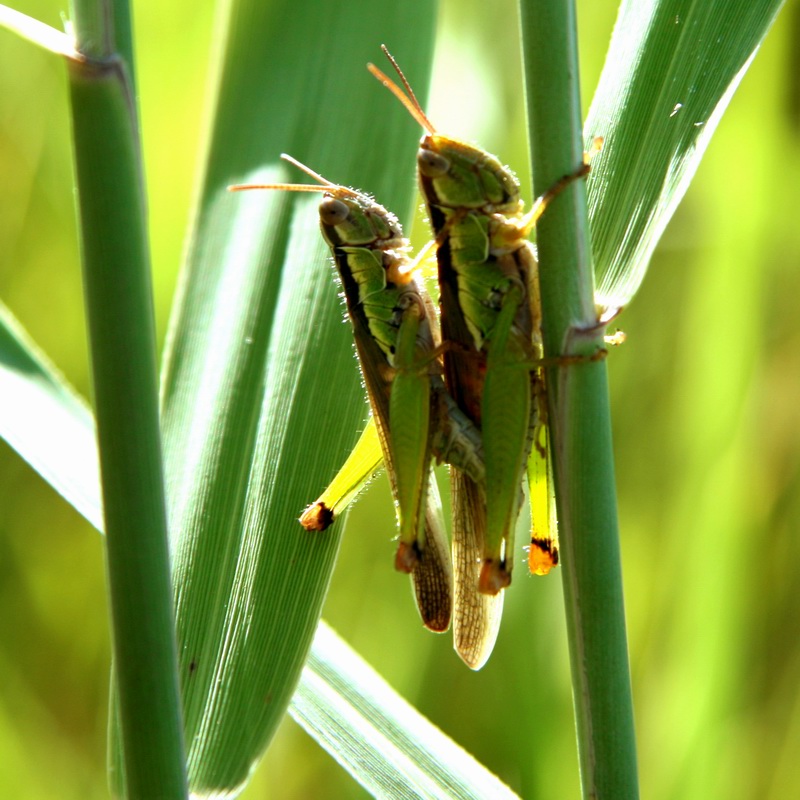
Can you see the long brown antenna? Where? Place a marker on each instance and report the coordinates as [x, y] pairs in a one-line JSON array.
[[284, 187], [325, 184], [308, 171], [401, 75], [408, 100]]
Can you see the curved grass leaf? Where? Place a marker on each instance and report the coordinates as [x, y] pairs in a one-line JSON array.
[[396, 752], [670, 72], [47, 422]]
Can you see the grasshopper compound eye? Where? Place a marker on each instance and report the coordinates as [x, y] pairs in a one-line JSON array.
[[333, 212], [431, 164]]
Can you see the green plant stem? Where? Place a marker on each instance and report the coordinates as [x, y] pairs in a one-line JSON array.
[[579, 414], [93, 27], [122, 346]]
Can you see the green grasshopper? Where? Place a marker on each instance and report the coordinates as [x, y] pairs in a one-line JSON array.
[[491, 316], [394, 327]]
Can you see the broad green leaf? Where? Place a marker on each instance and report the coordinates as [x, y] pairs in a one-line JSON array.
[[670, 72]]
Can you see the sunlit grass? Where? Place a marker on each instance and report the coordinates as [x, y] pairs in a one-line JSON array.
[[705, 437]]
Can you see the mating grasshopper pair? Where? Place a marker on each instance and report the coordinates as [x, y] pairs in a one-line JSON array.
[[486, 416]]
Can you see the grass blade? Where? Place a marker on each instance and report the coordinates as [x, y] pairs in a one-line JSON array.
[[669, 75], [257, 348], [396, 752], [47, 422]]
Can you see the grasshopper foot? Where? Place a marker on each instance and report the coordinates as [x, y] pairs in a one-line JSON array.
[[317, 517], [542, 556], [407, 557], [494, 577]]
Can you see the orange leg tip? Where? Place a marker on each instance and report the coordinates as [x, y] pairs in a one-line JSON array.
[[407, 558], [542, 556], [494, 577], [317, 517]]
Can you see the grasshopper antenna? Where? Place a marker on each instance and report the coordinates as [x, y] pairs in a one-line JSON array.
[[325, 184], [407, 98]]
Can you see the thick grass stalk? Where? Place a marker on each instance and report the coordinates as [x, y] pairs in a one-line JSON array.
[[579, 414], [122, 345]]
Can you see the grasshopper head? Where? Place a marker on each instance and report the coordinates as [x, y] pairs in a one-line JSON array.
[[456, 175], [351, 219], [348, 218]]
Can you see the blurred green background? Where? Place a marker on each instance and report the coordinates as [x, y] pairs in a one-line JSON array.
[[706, 423]]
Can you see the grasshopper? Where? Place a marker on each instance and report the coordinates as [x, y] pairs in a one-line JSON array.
[[394, 327], [490, 313]]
